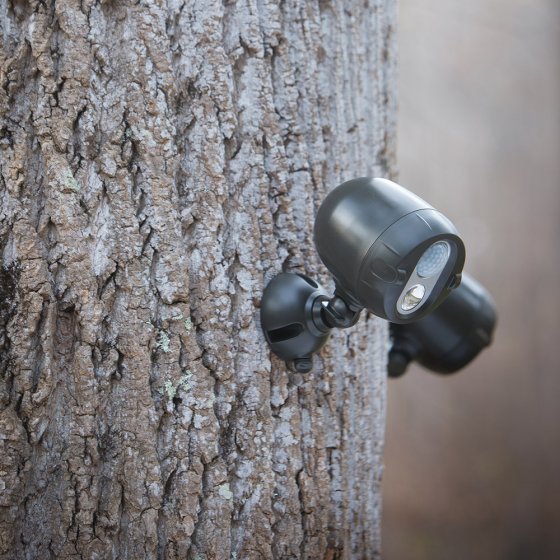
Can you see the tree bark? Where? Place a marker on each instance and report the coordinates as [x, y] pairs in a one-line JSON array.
[[160, 162]]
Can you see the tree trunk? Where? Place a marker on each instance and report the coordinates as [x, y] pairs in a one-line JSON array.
[[160, 162]]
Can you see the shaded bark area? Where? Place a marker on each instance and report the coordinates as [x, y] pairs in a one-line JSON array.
[[160, 162]]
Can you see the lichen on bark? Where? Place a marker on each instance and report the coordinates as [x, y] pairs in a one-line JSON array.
[[159, 162]]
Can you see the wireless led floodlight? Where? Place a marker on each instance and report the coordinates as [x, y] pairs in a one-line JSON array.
[[389, 252]]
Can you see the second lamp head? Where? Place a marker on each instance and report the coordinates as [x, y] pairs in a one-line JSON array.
[[388, 250]]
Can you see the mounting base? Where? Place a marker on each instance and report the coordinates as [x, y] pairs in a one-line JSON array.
[[297, 316], [291, 319]]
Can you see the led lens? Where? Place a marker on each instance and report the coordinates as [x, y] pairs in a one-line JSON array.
[[413, 297], [433, 259]]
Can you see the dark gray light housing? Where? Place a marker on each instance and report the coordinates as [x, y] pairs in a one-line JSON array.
[[388, 250], [372, 233], [449, 337]]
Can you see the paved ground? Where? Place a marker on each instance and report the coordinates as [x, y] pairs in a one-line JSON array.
[[473, 462]]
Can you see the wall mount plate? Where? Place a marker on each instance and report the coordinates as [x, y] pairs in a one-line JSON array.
[[291, 318]]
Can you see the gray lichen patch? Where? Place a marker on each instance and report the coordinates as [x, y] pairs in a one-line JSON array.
[[170, 389], [186, 322], [69, 181], [163, 341], [225, 491]]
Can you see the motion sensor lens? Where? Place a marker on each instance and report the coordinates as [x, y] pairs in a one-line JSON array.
[[433, 260]]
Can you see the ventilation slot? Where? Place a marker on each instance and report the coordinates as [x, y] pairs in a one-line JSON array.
[[285, 333], [312, 283]]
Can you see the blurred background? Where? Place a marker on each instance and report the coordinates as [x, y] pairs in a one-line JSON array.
[[472, 461]]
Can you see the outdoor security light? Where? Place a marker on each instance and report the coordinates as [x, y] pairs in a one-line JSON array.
[[450, 337], [389, 252]]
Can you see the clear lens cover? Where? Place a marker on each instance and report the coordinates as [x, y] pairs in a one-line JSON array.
[[413, 297]]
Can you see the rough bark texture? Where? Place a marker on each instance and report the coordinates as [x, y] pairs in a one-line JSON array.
[[160, 162]]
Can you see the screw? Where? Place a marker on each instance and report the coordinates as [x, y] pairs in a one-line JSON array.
[[303, 365]]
